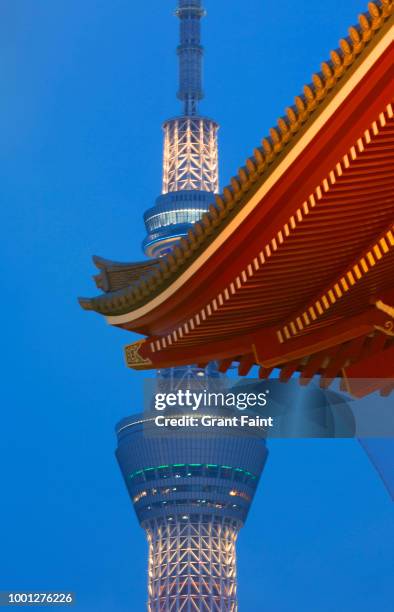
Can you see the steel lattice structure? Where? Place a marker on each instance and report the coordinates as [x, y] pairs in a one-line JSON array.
[[192, 566], [190, 155]]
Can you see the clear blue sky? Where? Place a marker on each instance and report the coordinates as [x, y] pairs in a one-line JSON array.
[[85, 87]]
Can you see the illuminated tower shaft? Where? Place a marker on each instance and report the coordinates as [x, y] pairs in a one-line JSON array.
[[190, 155], [192, 566]]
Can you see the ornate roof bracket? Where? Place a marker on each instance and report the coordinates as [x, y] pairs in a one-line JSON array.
[[388, 326]]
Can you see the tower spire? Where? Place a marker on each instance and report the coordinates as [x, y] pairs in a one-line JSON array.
[[190, 152], [190, 53]]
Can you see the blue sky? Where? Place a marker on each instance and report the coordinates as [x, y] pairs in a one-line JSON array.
[[85, 88]]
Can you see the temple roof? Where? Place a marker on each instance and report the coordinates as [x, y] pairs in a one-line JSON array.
[[148, 280], [292, 267]]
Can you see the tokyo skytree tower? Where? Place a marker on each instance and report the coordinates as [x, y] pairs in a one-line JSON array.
[[191, 491]]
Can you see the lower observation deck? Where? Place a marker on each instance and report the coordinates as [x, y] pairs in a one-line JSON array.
[[189, 475], [191, 491]]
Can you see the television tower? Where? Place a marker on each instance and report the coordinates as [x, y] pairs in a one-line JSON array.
[[191, 489]]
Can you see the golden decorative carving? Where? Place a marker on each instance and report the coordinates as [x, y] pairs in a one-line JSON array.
[[385, 308], [387, 329], [133, 357]]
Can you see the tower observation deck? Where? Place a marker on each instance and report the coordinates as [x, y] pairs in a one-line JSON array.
[[190, 152]]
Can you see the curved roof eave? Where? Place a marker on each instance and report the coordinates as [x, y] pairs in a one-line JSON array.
[[329, 89]]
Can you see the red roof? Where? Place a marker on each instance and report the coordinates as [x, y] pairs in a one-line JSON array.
[[294, 265]]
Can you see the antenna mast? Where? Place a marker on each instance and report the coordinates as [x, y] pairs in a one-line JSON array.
[[190, 53]]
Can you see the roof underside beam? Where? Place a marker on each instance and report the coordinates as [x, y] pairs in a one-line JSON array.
[[263, 348]]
